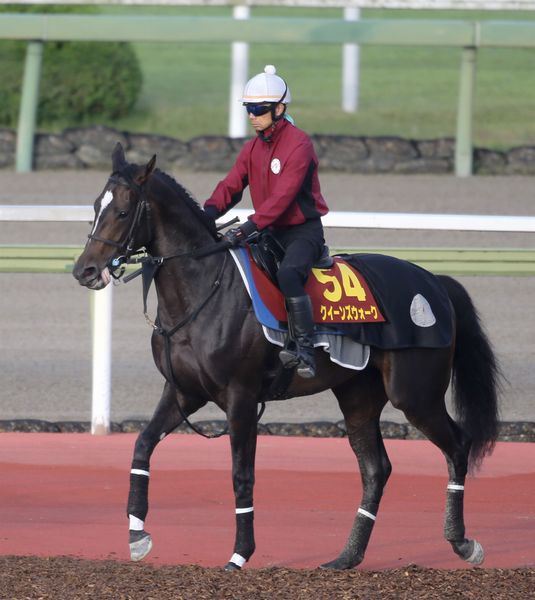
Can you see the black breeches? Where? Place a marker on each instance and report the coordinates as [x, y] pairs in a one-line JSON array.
[[303, 247]]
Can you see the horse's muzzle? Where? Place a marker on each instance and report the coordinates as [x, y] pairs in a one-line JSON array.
[[91, 277]]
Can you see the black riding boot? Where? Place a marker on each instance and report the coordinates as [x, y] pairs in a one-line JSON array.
[[299, 349]]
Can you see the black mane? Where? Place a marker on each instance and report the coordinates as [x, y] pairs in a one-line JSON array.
[[186, 196]]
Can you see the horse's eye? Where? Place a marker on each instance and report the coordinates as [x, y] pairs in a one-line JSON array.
[[122, 214]]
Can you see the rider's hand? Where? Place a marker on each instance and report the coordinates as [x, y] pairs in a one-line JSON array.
[[234, 237]]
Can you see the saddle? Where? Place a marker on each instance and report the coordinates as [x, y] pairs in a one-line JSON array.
[[267, 253], [338, 291]]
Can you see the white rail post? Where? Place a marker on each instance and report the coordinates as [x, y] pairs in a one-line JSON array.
[[350, 67], [463, 143], [101, 317], [237, 126]]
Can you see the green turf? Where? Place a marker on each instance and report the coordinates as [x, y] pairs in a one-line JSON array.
[[406, 91]]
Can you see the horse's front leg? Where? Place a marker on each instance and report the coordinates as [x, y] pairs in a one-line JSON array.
[[165, 419], [243, 432]]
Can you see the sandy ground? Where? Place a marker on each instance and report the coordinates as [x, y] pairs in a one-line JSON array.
[[45, 346]]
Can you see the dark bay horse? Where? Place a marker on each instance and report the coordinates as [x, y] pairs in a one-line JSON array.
[[218, 353]]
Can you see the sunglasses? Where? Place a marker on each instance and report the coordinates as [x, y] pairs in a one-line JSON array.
[[257, 109]]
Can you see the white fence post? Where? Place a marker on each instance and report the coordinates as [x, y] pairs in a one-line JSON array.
[[350, 67], [101, 316], [237, 126]]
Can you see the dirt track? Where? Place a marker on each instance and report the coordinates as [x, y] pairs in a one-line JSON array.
[[45, 354], [64, 578]]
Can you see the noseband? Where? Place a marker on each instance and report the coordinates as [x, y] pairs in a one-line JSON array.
[[126, 245]]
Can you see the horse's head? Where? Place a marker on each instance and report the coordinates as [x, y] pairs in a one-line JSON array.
[[120, 210]]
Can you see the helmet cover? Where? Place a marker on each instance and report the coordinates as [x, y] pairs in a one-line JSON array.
[[266, 87]]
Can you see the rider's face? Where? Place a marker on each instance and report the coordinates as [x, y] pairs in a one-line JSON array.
[[264, 121]]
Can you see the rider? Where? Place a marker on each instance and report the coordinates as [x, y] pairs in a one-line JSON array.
[[281, 168]]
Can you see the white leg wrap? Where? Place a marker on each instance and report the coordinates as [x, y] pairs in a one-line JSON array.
[[366, 514], [237, 560], [455, 487], [139, 472], [242, 511], [135, 523]]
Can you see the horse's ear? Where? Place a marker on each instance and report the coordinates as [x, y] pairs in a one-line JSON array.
[[118, 159], [149, 168]]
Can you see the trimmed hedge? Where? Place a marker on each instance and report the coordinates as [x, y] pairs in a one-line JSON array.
[[80, 81]]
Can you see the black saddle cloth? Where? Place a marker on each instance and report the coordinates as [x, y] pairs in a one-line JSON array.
[[402, 290]]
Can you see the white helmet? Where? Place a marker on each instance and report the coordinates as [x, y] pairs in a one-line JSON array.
[[266, 87]]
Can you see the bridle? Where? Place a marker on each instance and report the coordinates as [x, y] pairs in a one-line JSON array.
[[126, 244]]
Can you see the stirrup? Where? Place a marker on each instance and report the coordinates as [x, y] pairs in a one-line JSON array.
[[294, 359], [307, 364], [306, 370], [289, 356]]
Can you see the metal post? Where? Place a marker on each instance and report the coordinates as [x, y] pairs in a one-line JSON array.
[[28, 107], [237, 126], [463, 145], [101, 317], [350, 67]]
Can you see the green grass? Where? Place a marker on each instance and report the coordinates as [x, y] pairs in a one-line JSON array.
[[406, 91]]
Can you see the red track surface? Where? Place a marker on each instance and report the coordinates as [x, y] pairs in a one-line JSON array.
[[65, 494]]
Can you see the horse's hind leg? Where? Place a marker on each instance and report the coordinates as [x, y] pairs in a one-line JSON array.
[[165, 419], [416, 385], [362, 399]]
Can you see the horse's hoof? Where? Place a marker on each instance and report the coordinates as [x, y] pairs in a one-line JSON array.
[[341, 563], [230, 566], [469, 550], [140, 548], [478, 554]]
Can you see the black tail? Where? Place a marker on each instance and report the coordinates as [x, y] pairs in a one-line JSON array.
[[476, 375]]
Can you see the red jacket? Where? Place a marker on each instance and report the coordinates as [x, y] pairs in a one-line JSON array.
[[282, 174]]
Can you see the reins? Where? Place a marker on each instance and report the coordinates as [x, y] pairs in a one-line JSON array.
[[149, 268], [167, 334]]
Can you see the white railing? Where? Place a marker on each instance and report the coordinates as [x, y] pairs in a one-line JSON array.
[[339, 219], [103, 299]]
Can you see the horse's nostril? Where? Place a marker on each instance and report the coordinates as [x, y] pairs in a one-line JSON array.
[[84, 274], [89, 272]]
